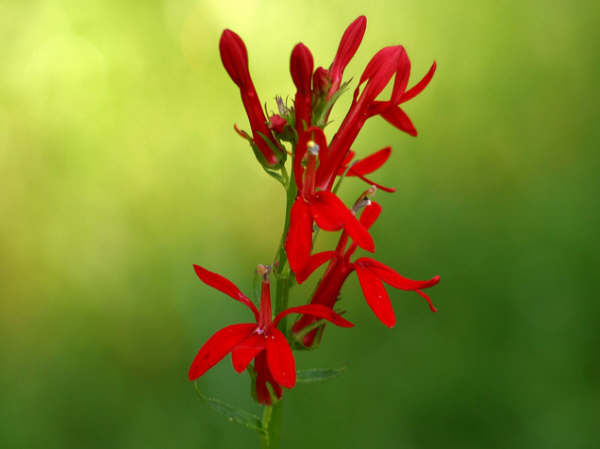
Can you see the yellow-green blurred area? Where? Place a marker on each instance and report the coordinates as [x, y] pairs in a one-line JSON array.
[[119, 169]]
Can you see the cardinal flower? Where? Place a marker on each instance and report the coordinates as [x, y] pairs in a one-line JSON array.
[[372, 275], [260, 341], [321, 206]]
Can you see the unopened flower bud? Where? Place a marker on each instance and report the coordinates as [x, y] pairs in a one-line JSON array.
[[321, 82], [277, 123]]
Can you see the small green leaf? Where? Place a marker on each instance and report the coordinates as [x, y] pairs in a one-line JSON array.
[[307, 376], [233, 414]]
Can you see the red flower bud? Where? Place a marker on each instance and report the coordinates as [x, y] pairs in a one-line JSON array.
[[348, 45], [235, 58], [321, 82], [277, 123], [301, 67]]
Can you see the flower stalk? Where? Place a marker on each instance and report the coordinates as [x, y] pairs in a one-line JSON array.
[[264, 346]]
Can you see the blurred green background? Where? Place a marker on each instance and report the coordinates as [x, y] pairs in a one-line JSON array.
[[119, 169]]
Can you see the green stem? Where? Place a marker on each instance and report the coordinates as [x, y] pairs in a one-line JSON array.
[[271, 425], [282, 271], [271, 420]]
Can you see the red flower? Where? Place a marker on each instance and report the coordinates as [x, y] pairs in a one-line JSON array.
[[371, 276], [323, 207], [235, 59], [386, 63], [261, 341], [363, 167]]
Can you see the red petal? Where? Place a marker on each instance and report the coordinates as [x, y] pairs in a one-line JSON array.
[[280, 359], [376, 296], [262, 392], [379, 71], [331, 214], [316, 310], [373, 183], [401, 81], [298, 243], [224, 285], [423, 295], [418, 88], [314, 262], [218, 346], [400, 120], [328, 211], [244, 352], [371, 163], [391, 277], [370, 214], [359, 233]]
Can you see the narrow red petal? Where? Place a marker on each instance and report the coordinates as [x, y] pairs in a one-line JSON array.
[[244, 352], [370, 214], [376, 184], [314, 262], [316, 310], [401, 80], [224, 285], [376, 296], [372, 162], [218, 346], [424, 296], [400, 120], [280, 359], [298, 243], [391, 277], [379, 71], [418, 88]]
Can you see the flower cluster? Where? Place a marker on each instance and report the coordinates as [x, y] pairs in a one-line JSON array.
[[313, 205]]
